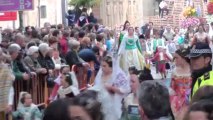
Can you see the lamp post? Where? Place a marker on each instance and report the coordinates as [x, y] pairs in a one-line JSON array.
[[39, 13], [21, 24], [64, 10]]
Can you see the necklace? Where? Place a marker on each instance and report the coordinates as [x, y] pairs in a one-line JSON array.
[[130, 42]]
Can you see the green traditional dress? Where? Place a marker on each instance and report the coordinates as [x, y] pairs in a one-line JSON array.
[[122, 34], [131, 53]]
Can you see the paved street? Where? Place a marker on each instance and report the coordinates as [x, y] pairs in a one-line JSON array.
[[157, 76]]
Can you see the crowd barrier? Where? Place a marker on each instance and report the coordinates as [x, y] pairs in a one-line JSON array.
[[81, 75], [37, 85]]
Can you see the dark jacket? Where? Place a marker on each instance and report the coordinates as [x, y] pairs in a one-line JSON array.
[[16, 71], [72, 58], [33, 64], [82, 21], [45, 62], [88, 56]]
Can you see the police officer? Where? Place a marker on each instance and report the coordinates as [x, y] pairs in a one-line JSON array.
[[200, 61]]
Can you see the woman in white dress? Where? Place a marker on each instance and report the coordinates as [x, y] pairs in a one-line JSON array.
[[112, 85]]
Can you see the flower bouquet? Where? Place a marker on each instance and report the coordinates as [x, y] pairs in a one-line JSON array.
[[210, 7], [189, 12], [190, 21], [190, 15]]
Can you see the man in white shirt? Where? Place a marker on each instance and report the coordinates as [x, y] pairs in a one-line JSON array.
[[164, 7]]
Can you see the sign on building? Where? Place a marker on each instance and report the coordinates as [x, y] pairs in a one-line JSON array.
[[7, 16], [16, 5]]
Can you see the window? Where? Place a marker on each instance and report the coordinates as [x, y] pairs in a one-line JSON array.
[[43, 11]]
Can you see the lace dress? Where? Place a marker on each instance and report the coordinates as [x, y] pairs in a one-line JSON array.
[[111, 103]]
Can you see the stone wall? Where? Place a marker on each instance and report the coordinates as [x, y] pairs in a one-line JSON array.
[[116, 12]]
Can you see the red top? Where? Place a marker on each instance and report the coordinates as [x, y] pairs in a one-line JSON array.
[[157, 57], [64, 45]]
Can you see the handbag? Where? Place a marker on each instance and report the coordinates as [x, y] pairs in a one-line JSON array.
[[50, 81], [168, 66]]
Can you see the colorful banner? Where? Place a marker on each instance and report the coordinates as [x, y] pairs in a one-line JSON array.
[[16, 5], [8, 16]]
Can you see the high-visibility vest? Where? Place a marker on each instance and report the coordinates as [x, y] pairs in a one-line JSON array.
[[204, 80]]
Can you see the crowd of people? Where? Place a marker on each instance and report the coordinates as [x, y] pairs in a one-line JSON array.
[[123, 62]]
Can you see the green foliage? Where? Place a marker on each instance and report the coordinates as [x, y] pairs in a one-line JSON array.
[[85, 3]]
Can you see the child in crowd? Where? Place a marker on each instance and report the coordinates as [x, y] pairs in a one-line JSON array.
[[58, 81], [161, 58], [26, 110], [67, 88], [57, 60]]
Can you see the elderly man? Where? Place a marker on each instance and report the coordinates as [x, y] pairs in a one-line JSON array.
[[21, 41], [154, 101], [18, 69], [6, 87], [168, 33]]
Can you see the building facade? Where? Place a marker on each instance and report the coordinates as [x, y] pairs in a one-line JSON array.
[[44, 11], [116, 12]]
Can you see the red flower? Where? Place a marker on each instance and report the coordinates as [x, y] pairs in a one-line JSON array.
[[210, 8]]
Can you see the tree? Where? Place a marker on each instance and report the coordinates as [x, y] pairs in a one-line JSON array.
[[84, 3]]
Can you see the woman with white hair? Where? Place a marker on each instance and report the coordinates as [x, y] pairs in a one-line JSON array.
[[46, 62], [32, 62], [72, 56]]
